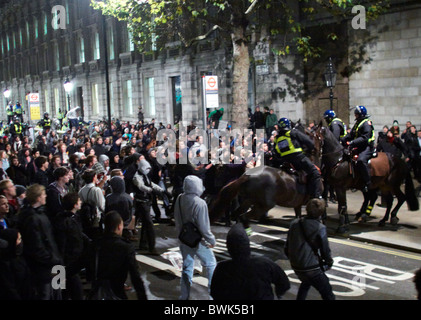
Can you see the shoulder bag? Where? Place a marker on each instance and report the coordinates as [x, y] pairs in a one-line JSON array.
[[189, 234]]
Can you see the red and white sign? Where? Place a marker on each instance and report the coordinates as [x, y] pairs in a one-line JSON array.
[[211, 97]]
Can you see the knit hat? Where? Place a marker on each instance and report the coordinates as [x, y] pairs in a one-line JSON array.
[[98, 168], [395, 122], [20, 190]]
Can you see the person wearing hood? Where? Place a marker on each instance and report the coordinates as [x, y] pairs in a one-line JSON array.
[[15, 276], [246, 277], [144, 188], [104, 160], [118, 200], [130, 167], [114, 160], [189, 207]]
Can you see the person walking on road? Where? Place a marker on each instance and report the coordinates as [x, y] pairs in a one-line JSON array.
[[308, 250], [189, 207]]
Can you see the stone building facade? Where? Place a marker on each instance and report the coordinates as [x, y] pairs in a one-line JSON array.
[[34, 57]]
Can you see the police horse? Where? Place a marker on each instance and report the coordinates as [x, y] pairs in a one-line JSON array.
[[387, 175], [259, 189]]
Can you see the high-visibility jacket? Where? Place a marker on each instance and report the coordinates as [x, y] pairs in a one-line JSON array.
[[284, 145], [18, 109], [18, 128], [372, 137], [9, 110]]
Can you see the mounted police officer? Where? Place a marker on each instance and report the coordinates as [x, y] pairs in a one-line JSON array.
[[362, 139], [338, 128], [45, 123], [18, 111], [9, 112], [289, 146], [336, 125]]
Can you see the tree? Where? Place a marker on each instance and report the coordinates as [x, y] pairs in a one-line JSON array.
[[155, 23]]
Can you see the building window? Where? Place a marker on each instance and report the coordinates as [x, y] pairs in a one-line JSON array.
[[57, 57], [36, 28], [81, 49], [110, 42], [57, 100], [66, 53], [127, 98], [96, 48], [8, 43], [45, 24], [95, 103], [130, 44], [47, 101], [27, 34], [67, 12], [150, 97]]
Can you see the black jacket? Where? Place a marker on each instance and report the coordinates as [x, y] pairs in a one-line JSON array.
[[117, 258], [244, 277], [54, 200], [299, 252], [41, 177], [119, 200], [40, 248], [15, 276], [17, 174], [70, 240], [393, 146]]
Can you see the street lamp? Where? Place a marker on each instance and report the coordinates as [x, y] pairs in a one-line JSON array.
[[68, 87], [330, 79], [6, 94]]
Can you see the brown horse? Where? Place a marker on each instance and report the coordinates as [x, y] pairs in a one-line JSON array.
[[387, 175]]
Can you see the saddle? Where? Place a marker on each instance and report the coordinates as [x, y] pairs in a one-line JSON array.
[[300, 174], [378, 163]]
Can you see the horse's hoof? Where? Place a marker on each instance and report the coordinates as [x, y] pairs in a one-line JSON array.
[[394, 221], [358, 216], [342, 230], [363, 218], [382, 223]]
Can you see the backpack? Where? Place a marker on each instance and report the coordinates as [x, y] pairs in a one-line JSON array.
[[88, 214]]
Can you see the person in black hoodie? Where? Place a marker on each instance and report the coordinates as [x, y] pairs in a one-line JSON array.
[[15, 277], [71, 242], [40, 250], [120, 201], [130, 167], [245, 277]]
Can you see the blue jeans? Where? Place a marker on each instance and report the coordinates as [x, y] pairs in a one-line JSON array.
[[316, 279], [207, 259]]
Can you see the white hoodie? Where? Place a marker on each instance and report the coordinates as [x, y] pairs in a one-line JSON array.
[[193, 208]]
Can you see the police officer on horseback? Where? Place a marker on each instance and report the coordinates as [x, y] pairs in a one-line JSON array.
[[289, 145], [361, 139], [336, 125]]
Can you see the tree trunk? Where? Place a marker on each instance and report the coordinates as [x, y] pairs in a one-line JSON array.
[[241, 64]]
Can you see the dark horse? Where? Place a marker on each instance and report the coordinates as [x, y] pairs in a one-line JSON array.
[[262, 188], [387, 174]]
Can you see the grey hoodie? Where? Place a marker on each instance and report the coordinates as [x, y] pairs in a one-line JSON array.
[[193, 208], [139, 180]]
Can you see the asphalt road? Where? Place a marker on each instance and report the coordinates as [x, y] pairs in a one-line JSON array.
[[361, 271]]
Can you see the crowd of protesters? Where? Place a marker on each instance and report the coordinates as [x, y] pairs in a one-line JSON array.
[[65, 198]]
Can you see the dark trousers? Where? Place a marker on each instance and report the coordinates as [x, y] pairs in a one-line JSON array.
[[316, 279], [301, 162], [74, 288], [147, 232], [362, 164]]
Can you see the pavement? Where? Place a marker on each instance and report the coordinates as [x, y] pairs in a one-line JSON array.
[[406, 235]]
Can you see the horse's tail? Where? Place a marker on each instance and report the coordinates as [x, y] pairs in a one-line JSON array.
[[411, 197], [224, 198]]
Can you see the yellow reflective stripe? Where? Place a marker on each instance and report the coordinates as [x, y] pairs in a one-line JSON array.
[[372, 138], [291, 147]]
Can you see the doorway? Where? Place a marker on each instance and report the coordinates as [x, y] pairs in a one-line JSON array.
[[176, 98], [80, 100]]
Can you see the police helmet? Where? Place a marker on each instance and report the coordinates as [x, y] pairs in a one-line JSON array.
[[46, 114], [284, 123], [15, 118], [329, 114], [360, 111]]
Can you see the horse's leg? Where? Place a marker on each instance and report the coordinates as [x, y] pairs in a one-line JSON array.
[[342, 211], [371, 198], [297, 211], [389, 203], [363, 207], [393, 216]]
